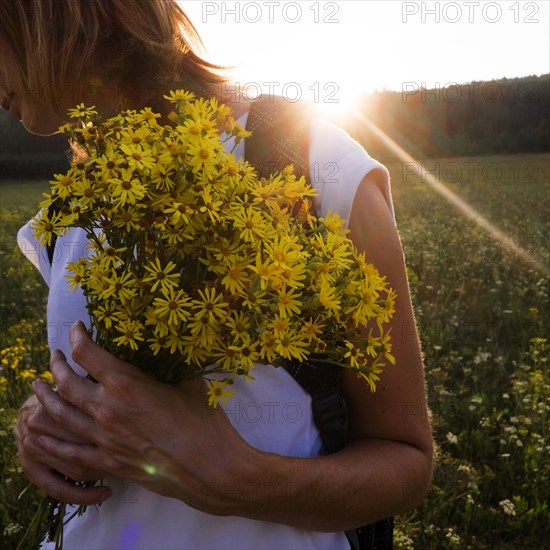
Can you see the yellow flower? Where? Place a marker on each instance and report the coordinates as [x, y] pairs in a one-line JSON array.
[[149, 116], [44, 227], [367, 306], [27, 374], [161, 275], [131, 333], [134, 137], [293, 188], [222, 112], [311, 329], [291, 346], [179, 95], [328, 297], [138, 157], [255, 300], [266, 270], [202, 155], [157, 321], [304, 214], [373, 344], [106, 314], [47, 376], [195, 351], [225, 356], [83, 112], [173, 307], [217, 391], [204, 330], [62, 185], [163, 178], [265, 193], [354, 354], [387, 309], [387, 347], [333, 222], [279, 325], [127, 190], [236, 278], [324, 272], [294, 275], [127, 219], [238, 324], [109, 258], [120, 286], [251, 223], [75, 281], [226, 251], [179, 213], [371, 375], [247, 355], [268, 343], [158, 343], [210, 304], [210, 205], [283, 250], [288, 302]]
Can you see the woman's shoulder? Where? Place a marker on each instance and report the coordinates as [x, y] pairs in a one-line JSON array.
[[338, 164]]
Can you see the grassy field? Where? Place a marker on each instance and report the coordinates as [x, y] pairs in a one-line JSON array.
[[480, 310]]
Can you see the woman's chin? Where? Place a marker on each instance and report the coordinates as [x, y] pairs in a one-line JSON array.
[[40, 127]]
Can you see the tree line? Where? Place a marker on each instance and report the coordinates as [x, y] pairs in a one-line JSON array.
[[477, 118]]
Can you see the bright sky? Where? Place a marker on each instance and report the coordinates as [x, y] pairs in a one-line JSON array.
[[333, 50]]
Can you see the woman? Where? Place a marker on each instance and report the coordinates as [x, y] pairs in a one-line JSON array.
[[177, 474]]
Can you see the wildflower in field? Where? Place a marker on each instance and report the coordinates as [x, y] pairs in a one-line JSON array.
[[452, 438], [508, 507], [452, 537]]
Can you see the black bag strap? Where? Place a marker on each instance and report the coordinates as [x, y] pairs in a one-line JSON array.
[[50, 248], [280, 135]]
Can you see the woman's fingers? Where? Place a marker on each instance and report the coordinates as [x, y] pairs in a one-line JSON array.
[[98, 362], [39, 422], [37, 451], [38, 419], [56, 486], [46, 471], [72, 459], [63, 414]]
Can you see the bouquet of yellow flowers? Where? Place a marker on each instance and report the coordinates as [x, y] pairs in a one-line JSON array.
[[197, 266]]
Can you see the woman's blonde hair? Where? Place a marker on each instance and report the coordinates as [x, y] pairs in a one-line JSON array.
[[124, 44]]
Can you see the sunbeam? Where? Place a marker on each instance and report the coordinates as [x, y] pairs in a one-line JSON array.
[[459, 203]]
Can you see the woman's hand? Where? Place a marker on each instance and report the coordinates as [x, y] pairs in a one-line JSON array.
[[46, 470], [167, 439]]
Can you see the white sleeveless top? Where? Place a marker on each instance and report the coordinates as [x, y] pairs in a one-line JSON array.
[[273, 413]]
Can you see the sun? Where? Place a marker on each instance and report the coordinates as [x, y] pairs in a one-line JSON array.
[[305, 61], [330, 85]]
